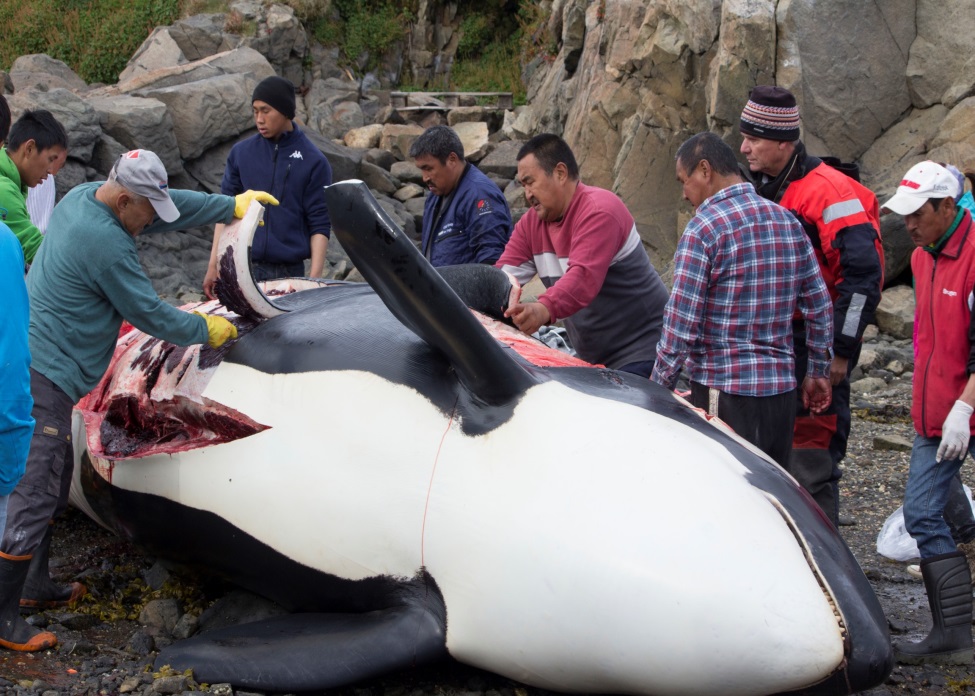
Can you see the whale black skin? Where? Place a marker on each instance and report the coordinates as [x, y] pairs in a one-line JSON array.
[[349, 328], [409, 328]]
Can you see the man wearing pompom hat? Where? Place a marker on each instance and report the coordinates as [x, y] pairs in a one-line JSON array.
[[842, 219], [281, 160], [943, 265]]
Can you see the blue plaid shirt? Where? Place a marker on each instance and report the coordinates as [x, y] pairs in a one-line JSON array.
[[743, 268]]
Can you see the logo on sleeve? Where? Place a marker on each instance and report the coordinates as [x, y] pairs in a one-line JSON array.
[[483, 207]]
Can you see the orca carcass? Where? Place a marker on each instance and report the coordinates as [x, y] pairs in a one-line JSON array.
[[412, 478]]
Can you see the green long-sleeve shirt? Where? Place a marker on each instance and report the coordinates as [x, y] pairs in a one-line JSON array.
[[87, 278], [13, 199]]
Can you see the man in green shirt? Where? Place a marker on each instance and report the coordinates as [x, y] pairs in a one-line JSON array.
[[34, 146], [85, 280]]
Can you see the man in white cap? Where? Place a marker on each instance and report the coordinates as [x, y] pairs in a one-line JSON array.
[[943, 399], [86, 278]]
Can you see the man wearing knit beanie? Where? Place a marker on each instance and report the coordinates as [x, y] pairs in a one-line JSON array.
[[281, 160], [842, 219], [277, 93]]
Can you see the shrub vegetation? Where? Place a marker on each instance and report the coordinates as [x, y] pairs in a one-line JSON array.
[[96, 38]]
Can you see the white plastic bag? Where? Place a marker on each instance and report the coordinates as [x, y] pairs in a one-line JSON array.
[[895, 543]]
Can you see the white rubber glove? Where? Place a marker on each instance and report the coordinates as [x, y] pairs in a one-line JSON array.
[[955, 432]]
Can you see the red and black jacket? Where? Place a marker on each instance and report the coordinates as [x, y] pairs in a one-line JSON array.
[[842, 219]]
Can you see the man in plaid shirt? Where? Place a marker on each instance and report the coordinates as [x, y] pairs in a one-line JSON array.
[[742, 269]]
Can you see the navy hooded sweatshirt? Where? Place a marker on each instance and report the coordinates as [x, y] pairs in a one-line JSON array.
[[293, 170]]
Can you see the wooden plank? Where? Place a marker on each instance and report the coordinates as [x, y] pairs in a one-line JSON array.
[[399, 100], [432, 107]]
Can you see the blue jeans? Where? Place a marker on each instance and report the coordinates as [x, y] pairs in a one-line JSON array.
[[3, 512], [269, 271], [928, 486]]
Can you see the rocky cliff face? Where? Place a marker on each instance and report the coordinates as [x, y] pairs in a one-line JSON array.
[[881, 83], [885, 84]]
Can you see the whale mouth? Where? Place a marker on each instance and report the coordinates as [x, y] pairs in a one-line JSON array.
[[828, 593]]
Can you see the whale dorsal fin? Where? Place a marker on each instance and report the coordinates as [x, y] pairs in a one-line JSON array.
[[418, 296]]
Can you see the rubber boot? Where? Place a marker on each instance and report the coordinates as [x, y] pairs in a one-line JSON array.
[[15, 633], [949, 587], [40, 591]]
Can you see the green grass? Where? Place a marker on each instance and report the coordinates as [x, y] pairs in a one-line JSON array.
[[96, 38], [496, 69]]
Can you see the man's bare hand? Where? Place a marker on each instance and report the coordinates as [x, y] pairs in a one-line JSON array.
[[837, 369], [816, 394], [209, 281], [529, 316]]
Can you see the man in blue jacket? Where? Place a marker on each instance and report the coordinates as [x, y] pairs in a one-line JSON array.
[[282, 161], [465, 217]]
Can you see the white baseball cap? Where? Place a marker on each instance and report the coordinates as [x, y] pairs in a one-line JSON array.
[[143, 173], [923, 181]]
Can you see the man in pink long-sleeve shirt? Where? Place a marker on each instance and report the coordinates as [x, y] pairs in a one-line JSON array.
[[583, 244]]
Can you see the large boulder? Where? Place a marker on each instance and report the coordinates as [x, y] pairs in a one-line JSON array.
[[940, 65], [895, 314], [503, 159], [333, 107], [744, 58], [884, 164], [345, 161], [845, 63], [651, 74], [44, 73], [238, 61], [279, 36], [104, 155], [474, 137], [955, 141], [137, 122], [208, 169], [398, 138], [159, 50], [211, 111], [364, 137], [202, 35]]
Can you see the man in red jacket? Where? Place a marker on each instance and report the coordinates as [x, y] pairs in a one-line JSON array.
[[943, 398], [842, 220]]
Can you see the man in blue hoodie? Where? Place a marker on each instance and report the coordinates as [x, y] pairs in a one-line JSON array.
[[465, 217], [282, 161]]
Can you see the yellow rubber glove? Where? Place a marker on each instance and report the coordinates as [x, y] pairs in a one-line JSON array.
[[243, 201], [219, 329]]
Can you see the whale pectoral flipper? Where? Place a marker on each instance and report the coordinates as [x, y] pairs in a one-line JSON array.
[[302, 652]]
